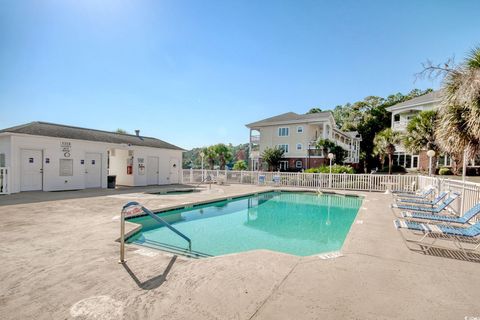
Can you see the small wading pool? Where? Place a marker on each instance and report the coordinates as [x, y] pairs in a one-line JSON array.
[[298, 223]]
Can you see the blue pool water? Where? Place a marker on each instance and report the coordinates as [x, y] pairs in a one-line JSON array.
[[296, 223]]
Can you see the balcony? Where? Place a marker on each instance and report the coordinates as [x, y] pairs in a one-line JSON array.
[[400, 125], [254, 139], [315, 152], [254, 154], [345, 146]]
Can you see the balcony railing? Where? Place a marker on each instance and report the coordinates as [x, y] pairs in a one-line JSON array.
[[254, 139], [400, 125], [254, 154], [316, 152]]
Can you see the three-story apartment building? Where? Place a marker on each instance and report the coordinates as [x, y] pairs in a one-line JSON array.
[[402, 113], [297, 135]]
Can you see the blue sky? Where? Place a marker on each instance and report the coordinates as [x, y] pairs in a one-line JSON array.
[[195, 72]]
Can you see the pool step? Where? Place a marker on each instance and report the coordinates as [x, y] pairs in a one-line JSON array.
[[173, 249]]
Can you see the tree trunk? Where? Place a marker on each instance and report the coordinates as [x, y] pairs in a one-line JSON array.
[[390, 163], [382, 161], [434, 164]]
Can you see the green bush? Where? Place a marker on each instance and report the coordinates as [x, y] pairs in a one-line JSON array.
[[335, 169], [240, 165], [395, 169], [445, 171]]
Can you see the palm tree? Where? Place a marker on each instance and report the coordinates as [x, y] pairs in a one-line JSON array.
[[459, 115], [385, 140], [379, 149], [210, 156], [223, 153], [329, 146], [325, 145], [272, 157], [420, 134]]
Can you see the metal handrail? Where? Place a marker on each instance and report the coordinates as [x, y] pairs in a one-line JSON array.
[[153, 216]]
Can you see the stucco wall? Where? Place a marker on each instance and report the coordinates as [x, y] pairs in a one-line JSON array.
[[5, 149], [51, 149], [269, 138]]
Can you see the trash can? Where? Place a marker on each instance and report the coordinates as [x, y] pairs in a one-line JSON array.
[[111, 182]]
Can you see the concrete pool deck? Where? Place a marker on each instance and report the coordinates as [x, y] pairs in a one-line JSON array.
[[59, 261]]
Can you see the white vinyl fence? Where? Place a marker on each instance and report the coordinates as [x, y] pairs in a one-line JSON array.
[[4, 180], [362, 182], [345, 181]]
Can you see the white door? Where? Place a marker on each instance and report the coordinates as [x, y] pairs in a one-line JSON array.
[[152, 170], [174, 169], [31, 170], [93, 170]]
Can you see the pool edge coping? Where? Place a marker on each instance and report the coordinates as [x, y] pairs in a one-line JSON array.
[[137, 227]]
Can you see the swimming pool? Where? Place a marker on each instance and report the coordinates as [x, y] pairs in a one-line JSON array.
[[299, 223]]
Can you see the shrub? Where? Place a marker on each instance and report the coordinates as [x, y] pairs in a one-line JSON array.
[[240, 165], [395, 169], [445, 171], [335, 169]]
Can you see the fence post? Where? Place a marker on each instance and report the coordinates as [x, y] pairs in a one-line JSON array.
[[191, 175], [9, 180], [241, 177]]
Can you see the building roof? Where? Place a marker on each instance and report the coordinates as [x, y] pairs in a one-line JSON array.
[[353, 134], [434, 96], [291, 117], [46, 129]]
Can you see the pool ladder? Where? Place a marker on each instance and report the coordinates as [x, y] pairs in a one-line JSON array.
[[154, 217]]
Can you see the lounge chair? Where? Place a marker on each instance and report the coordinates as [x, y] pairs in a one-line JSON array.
[[433, 202], [432, 209], [469, 215], [409, 189], [422, 195], [456, 235]]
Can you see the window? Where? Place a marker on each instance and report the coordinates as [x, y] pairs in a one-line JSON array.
[[284, 147], [299, 164], [299, 129], [405, 160], [444, 160], [396, 117], [2, 159], [415, 162], [299, 146], [283, 132], [283, 165]]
